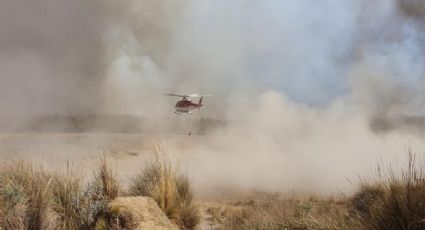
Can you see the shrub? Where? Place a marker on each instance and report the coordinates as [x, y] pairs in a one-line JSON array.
[[30, 182], [102, 189], [12, 207], [367, 197], [160, 181], [34, 198], [66, 201], [400, 203], [105, 179]]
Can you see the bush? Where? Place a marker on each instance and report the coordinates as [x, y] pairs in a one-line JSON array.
[[81, 208], [12, 207], [105, 179], [98, 193], [21, 181], [34, 198], [160, 181], [394, 202], [367, 197], [67, 201]]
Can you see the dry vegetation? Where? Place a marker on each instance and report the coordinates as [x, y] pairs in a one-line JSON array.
[[31, 197], [393, 201], [271, 211], [388, 202], [34, 198], [172, 192]]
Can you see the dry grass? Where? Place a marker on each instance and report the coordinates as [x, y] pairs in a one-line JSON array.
[[31, 197], [393, 201], [98, 193], [170, 190], [77, 207], [12, 207], [34, 198], [27, 189], [67, 201], [269, 211], [105, 178]]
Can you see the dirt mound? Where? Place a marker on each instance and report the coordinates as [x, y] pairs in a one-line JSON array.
[[138, 213]]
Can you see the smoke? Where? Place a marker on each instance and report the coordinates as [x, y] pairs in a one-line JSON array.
[[107, 57], [299, 82], [51, 56]]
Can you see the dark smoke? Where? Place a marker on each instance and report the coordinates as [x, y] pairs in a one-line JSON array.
[[412, 8]]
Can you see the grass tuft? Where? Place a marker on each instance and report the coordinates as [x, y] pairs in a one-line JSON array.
[[396, 201], [12, 207], [105, 178], [67, 200], [20, 180], [102, 189], [171, 190], [33, 198]]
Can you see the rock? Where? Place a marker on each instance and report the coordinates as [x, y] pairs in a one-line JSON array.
[[138, 213]]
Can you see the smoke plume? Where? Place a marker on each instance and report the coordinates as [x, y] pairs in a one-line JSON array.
[[308, 89]]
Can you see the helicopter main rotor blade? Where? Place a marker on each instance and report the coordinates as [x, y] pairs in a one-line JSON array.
[[189, 95], [174, 95], [198, 95]]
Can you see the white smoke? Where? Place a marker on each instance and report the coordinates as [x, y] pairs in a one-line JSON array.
[[297, 81]]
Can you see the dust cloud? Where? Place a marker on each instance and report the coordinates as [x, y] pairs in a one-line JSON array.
[[313, 94]]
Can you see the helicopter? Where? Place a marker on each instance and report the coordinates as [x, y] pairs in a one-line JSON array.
[[186, 105]]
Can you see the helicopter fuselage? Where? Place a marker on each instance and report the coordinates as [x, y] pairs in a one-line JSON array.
[[186, 105]]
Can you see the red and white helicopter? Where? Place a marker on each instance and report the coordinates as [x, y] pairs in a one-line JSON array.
[[186, 105]]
